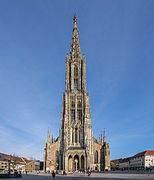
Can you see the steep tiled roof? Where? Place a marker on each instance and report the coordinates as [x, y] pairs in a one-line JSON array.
[[7, 157], [149, 152], [4, 156]]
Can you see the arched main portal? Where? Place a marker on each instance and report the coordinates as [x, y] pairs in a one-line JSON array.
[[76, 162], [82, 162], [70, 163]]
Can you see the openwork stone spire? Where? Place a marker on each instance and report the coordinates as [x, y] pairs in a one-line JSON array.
[[75, 52], [76, 148]]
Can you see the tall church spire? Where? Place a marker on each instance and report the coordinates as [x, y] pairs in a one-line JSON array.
[[75, 52]]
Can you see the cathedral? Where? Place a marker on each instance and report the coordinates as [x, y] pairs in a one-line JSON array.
[[76, 148]]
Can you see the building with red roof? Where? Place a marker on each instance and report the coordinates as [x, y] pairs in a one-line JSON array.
[[143, 160]]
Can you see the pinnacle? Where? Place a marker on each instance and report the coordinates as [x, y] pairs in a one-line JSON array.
[[75, 18], [75, 51]]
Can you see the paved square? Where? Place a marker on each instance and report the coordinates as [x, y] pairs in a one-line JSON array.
[[94, 176]]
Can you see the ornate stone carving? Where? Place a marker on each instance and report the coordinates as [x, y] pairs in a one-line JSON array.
[[76, 146]]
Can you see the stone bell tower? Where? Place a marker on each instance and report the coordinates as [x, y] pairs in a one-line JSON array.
[[76, 148], [76, 134]]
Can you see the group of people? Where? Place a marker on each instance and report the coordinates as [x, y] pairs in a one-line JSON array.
[[64, 173]]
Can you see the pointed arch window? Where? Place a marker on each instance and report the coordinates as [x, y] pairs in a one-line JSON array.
[[96, 157], [73, 102], [75, 83], [73, 114], [76, 138], [75, 70], [79, 114], [79, 103], [75, 76]]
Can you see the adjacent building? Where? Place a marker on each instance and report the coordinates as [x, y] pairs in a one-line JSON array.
[[22, 164], [32, 166], [3, 165], [141, 161], [76, 148]]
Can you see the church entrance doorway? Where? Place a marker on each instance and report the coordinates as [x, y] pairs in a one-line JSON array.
[[82, 162], [76, 162], [70, 162]]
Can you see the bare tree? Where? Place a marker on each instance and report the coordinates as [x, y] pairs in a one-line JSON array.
[[14, 161]]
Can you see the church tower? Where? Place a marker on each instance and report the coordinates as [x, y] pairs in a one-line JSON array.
[[76, 131], [75, 148]]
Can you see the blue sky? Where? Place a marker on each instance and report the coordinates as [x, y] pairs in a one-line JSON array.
[[117, 38]]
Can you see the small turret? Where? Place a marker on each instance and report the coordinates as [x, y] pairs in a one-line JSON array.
[[75, 21], [49, 137], [104, 137], [101, 138]]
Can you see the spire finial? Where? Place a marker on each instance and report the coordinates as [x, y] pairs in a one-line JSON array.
[[75, 18]]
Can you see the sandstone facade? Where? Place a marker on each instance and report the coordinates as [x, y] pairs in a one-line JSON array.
[[76, 148]]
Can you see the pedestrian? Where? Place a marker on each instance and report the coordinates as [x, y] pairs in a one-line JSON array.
[[53, 174], [88, 172]]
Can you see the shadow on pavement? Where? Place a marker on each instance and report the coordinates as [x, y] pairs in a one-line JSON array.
[[58, 177]]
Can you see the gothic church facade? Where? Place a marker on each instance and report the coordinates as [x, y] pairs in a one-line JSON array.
[[76, 148]]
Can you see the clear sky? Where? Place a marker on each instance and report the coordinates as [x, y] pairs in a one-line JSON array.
[[117, 38]]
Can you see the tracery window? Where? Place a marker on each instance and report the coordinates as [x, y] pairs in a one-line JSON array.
[[76, 135], [75, 77], [72, 137], [75, 71], [75, 83], [96, 157], [72, 114], [79, 104], [72, 101], [79, 108], [79, 115]]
